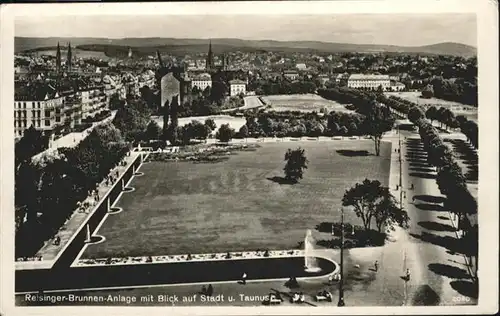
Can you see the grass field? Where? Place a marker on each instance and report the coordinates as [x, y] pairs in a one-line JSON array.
[[303, 103], [457, 108], [183, 207]]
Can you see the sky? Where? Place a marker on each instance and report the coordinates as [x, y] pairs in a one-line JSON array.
[[387, 29]]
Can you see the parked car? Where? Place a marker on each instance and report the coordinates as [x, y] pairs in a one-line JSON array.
[[323, 296]]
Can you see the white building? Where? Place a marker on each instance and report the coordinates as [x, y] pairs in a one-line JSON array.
[[360, 81], [397, 86], [291, 75], [323, 78], [237, 87], [44, 108], [201, 81], [93, 100], [301, 66]]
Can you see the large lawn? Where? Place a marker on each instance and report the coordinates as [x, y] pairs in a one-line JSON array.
[[183, 207], [303, 103]]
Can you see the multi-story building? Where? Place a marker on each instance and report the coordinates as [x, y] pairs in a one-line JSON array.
[[237, 87], [201, 81], [173, 83], [361, 81], [291, 75], [397, 86], [112, 85], [40, 105], [93, 99], [323, 78]]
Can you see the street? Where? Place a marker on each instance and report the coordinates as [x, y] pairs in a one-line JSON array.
[[437, 271]]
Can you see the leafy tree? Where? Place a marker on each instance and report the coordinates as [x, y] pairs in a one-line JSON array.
[[166, 115], [243, 131], [115, 102], [389, 214], [449, 177], [211, 124], [174, 121], [439, 155], [428, 92], [32, 143], [296, 162], [225, 133], [431, 113], [198, 130], [378, 121], [415, 114], [183, 134], [153, 131], [440, 115], [132, 119], [370, 200]]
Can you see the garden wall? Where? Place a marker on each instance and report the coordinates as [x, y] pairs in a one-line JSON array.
[[75, 245], [166, 273]]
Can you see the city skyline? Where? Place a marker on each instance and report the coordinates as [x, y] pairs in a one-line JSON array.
[[377, 29]]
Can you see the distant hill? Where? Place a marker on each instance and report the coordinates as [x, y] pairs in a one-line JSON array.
[[183, 46]]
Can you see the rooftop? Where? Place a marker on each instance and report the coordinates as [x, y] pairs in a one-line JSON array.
[[203, 76], [368, 77], [236, 81]]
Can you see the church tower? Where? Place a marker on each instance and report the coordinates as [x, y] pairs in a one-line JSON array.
[[58, 59], [210, 58], [69, 58]]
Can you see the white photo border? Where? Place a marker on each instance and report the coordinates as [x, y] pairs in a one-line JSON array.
[[487, 33]]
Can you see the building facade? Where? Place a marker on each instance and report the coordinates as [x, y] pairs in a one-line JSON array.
[[237, 87], [291, 75], [372, 82], [201, 81], [45, 109], [94, 100]]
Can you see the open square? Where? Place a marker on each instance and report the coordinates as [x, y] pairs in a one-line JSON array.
[[182, 207]]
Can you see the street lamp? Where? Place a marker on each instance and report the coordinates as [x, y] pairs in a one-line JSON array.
[[341, 283]]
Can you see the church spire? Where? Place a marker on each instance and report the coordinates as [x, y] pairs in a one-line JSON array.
[[210, 57], [159, 58], [69, 58], [58, 58]]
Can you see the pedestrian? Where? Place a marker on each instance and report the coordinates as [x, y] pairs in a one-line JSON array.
[[412, 187], [407, 275], [244, 278], [203, 290], [210, 290], [376, 265]]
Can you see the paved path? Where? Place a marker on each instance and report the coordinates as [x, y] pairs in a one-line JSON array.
[[251, 102], [73, 139], [50, 251], [427, 243]]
